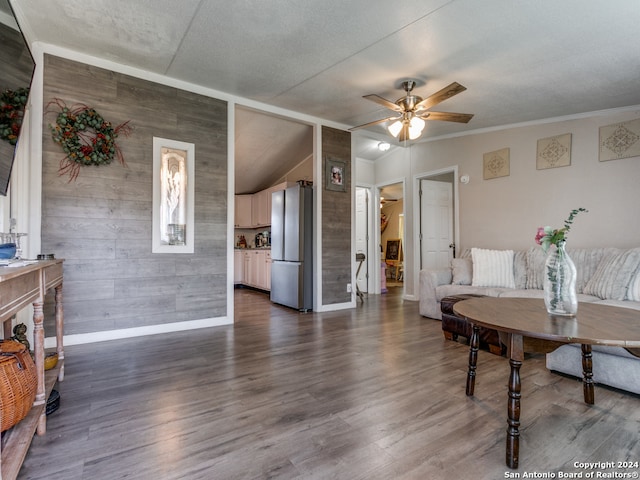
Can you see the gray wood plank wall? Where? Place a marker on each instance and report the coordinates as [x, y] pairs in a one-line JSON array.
[[101, 222], [336, 221]]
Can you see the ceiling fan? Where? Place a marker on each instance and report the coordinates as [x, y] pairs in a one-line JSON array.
[[412, 111]]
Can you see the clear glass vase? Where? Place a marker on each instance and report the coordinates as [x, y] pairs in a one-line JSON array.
[[560, 282]]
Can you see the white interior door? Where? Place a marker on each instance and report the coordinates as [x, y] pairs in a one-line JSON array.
[[436, 224], [362, 237]]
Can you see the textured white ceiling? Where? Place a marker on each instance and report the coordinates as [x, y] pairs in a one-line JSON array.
[[520, 60]]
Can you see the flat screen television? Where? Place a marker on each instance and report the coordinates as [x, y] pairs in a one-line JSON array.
[[16, 71]]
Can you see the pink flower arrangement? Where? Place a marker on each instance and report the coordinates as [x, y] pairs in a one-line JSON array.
[[547, 236]]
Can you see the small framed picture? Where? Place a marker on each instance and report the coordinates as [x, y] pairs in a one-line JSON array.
[[394, 250], [335, 171]]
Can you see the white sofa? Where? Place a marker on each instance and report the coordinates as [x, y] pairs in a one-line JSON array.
[[605, 275]]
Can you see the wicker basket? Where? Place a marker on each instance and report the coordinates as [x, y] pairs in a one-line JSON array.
[[18, 383]]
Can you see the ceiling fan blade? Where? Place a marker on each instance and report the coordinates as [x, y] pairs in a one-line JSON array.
[[440, 96], [403, 136], [375, 122], [384, 102], [447, 116]]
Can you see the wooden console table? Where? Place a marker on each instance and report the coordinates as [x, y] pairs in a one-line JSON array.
[[20, 286]]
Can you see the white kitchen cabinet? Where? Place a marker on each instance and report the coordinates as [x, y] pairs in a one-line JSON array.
[[249, 268], [260, 269], [254, 211], [243, 211], [267, 278], [255, 266], [261, 211], [238, 267]]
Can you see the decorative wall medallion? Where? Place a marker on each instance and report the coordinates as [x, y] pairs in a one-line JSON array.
[[554, 152], [496, 164], [620, 140]]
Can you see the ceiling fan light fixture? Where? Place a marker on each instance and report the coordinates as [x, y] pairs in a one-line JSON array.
[[412, 110], [395, 127], [415, 127]]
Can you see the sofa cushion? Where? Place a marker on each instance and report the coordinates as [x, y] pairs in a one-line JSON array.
[[633, 291], [492, 268], [520, 269], [584, 298], [522, 293], [586, 261], [620, 303], [613, 275], [462, 270], [535, 268], [449, 290]]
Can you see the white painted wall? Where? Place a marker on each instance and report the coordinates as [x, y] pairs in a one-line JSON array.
[[505, 212], [364, 172]]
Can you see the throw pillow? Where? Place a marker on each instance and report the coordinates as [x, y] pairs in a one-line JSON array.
[[492, 268], [587, 261], [536, 259], [613, 275], [520, 268], [462, 269], [633, 292]]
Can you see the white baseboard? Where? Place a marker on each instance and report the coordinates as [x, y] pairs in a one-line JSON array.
[[336, 306], [82, 338]]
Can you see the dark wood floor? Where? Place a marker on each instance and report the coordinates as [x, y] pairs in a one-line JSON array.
[[370, 393]]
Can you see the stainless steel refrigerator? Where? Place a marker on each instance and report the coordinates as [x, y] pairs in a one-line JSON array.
[[292, 247]]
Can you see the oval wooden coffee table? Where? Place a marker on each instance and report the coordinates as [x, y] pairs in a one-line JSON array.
[[525, 317]]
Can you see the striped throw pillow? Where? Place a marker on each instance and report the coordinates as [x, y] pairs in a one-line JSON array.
[[492, 268]]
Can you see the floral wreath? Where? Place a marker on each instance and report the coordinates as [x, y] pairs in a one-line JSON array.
[[86, 138], [12, 104]]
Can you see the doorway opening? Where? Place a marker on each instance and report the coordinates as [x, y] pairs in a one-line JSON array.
[[363, 222], [436, 217], [271, 153], [392, 236]]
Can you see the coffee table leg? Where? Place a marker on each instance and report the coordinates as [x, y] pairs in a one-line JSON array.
[[473, 360], [516, 355], [587, 372]]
